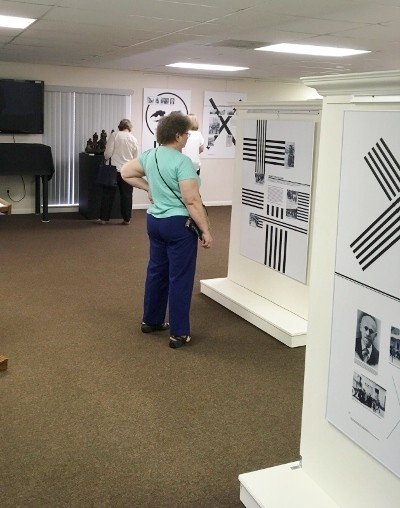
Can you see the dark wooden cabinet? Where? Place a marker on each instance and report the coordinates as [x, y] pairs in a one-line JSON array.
[[89, 192]]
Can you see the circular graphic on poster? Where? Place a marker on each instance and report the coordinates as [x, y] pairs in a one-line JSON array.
[[161, 105]]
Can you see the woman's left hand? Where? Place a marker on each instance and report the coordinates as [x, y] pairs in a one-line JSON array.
[[206, 240]]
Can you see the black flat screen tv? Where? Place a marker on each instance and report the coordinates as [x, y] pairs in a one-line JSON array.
[[21, 106]]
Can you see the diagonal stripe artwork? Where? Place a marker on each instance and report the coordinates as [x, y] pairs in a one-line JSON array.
[[383, 232]]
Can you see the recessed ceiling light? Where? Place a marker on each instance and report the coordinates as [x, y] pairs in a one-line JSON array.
[[206, 67], [15, 22], [304, 49]]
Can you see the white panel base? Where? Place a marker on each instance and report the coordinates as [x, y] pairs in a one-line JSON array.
[[266, 315], [286, 486]]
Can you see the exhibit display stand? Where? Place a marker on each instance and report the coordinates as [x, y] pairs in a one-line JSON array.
[[349, 448], [89, 191], [271, 222]]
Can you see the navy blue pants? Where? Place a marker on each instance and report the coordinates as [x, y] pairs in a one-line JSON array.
[[170, 273]]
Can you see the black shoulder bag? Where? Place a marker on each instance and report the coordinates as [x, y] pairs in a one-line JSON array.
[[190, 223], [106, 174]]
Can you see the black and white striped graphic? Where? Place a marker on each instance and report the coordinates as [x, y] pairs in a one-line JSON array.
[[261, 133], [279, 223], [263, 151], [275, 248], [275, 211], [253, 198], [382, 234], [303, 206], [385, 168], [254, 149], [275, 152], [249, 149]]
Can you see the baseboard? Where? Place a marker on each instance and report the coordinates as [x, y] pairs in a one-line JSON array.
[[273, 319], [207, 203], [66, 209], [285, 486], [52, 209]]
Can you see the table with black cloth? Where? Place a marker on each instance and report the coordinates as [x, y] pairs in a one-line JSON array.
[[29, 159]]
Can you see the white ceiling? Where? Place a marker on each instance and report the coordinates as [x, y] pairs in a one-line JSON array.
[[145, 35]]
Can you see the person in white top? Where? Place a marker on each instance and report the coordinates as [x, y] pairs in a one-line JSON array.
[[195, 143], [121, 147]]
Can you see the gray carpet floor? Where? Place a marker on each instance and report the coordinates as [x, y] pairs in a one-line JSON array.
[[96, 414]]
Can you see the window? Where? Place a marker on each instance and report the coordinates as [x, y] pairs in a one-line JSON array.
[[71, 117]]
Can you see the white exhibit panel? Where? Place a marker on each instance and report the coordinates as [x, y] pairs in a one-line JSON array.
[[364, 373], [267, 285], [219, 124], [276, 194], [159, 102]]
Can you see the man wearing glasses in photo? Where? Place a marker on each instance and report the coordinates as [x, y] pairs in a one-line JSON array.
[[365, 348]]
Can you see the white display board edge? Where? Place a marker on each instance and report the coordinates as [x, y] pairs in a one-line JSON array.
[[285, 486]]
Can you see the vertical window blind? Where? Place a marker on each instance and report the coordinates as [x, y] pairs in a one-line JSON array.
[[71, 117]]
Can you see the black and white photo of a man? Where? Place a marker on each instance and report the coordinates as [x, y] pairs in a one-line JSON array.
[[366, 348]]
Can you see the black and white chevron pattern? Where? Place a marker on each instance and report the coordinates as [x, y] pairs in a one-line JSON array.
[[383, 232], [385, 168]]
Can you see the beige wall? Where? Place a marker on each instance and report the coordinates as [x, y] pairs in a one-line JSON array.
[[217, 174]]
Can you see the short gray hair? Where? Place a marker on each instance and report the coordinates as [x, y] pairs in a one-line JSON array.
[[125, 124]]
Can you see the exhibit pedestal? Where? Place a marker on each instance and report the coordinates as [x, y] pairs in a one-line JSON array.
[[89, 192], [285, 486], [278, 322]]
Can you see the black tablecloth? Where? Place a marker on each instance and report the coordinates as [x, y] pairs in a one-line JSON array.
[[29, 159], [26, 159]]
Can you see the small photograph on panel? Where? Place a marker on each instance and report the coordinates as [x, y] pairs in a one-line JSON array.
[[214, 126], [369, 394], [259, 178], [255, 220], [211, 140], [367, 339], [291, 204], [289, 154], [395, 346]]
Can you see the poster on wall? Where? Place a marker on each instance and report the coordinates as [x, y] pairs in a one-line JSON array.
[[219, 124], [276, 185], [158, 102], [364, 373]]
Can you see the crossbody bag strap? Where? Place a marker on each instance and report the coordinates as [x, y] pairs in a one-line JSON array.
[[172, 190], [162, 178]]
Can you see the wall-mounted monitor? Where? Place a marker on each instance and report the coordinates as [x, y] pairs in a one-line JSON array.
[[21, 106]]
